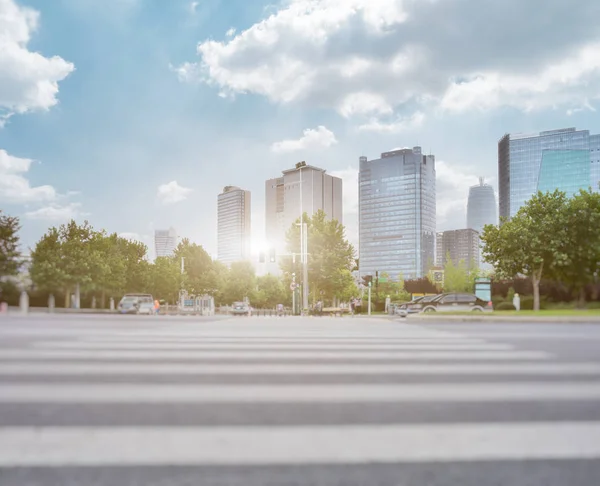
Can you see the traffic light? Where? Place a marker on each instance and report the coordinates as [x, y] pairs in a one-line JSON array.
[[261, 257], [272, 255], [376, 278], [367, 279]]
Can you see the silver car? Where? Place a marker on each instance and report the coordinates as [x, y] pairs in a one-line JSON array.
[[136, 304]]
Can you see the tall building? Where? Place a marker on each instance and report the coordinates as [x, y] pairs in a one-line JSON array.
[[462, 244], [397, 214], [303, 189], [481, 207], [233, 225], [567, 159], [165, 242]]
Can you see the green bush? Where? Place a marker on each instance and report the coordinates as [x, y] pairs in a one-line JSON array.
[[504, 306], [497, 300], [527, 303]]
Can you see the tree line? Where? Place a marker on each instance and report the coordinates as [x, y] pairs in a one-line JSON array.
[[104, 265], [552, 237]]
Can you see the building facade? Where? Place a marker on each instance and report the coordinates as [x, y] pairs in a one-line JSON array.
[[165, 242], [566, 159], [462, 244], [304, 189], [397, 214], [481, 206], [233, 225]]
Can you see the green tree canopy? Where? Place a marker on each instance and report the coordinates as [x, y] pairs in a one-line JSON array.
[[581, 243], [200, 270], [240, 283], [530, 243], [9, 245], [330, 261]]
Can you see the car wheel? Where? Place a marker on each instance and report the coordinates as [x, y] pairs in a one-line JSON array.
[[476, 309], [429, 309]]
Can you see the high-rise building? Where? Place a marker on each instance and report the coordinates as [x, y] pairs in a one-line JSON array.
[[303, 189], [566, 159], [165, 242], [233, 225], [462, 244], [481, 207], [397, 214]]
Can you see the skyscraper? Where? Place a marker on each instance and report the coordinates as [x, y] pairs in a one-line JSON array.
[[397, 214], [233, 225], [462, 244], [303, 189], [481, 207], [566, 159], [165, 242]]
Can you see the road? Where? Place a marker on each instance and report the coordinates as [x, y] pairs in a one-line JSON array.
[[174, 401]]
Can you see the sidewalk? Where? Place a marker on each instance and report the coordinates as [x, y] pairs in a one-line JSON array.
[[515, 319]]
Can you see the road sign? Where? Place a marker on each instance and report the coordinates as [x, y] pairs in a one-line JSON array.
[[293, 286]]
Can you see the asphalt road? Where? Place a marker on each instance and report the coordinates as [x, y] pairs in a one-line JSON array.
[[119, 401]]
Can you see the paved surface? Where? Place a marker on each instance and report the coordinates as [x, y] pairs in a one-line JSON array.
[[111, 401]]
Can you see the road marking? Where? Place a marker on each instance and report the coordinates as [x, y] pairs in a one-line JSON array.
[[98, 354], [107, 446], [483, 369], [168, 393], [267, 348]]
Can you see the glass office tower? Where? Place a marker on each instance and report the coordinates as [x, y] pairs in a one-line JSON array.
[[397, 214], [481, 206], [557, 159]]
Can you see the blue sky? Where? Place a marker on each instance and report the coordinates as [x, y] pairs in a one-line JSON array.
[[134, 114]]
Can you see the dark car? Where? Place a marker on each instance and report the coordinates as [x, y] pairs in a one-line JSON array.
[[240, 309], [458, 302]]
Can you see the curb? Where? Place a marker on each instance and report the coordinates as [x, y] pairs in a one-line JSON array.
[[509, 320]]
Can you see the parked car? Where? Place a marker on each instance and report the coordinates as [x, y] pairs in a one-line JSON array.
[[136, 304], [458, 302], [414, 306], [241, 309]]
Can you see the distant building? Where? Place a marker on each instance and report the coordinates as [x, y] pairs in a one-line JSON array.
[[233, 225], [565, 159], [481, 207], [462, 244], [303, 189], [397, 214], [165, 242]]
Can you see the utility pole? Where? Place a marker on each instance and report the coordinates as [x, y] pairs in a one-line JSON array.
[[305, 268], [369, 308]]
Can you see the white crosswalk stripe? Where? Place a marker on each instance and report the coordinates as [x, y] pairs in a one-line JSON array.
[[131, 394]]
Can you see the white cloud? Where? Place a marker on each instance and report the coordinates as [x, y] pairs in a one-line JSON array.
[[193, 7], [172, 193], [373, 56], [14, 187], [397, 126], [311, 139], [231, 32], [28, 80], [57, 212]]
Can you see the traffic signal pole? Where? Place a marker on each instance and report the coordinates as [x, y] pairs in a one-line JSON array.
[[369, 298]]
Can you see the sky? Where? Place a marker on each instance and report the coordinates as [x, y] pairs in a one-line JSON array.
[[134, 114]]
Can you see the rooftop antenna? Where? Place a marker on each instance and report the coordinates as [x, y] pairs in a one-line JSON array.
[[481, 181]]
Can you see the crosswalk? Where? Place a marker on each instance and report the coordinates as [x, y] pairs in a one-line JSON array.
[[293, 401]]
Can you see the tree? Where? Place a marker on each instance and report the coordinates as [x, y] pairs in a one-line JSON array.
[[581, 243], [456, 277], [241, 282], [200, 270], [165, 279], [270, 292], [331, 257], [531, 243], [9, 245]]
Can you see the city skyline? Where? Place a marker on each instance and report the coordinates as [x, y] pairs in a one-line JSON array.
[[111, 116]]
